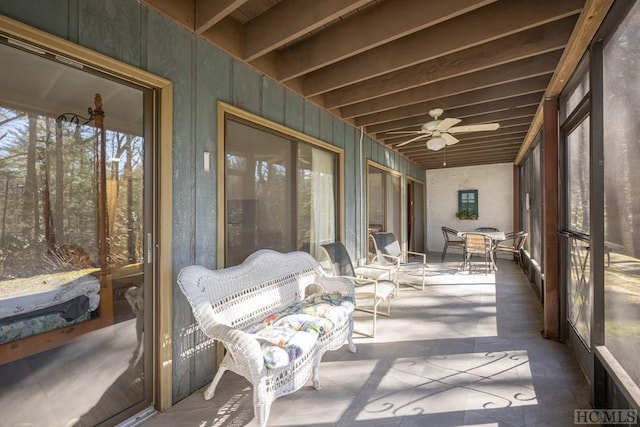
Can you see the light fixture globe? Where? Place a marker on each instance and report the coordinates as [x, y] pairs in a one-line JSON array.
[[437, 143]]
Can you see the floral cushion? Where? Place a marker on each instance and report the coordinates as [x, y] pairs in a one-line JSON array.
[[289, 334]]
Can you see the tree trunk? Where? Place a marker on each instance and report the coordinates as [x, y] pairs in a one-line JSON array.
[[30, 217], [59, 204]]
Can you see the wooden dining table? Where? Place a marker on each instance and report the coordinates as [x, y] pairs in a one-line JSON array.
[[497, 236]]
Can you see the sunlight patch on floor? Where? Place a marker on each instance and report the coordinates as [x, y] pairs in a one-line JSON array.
[[452, 383]]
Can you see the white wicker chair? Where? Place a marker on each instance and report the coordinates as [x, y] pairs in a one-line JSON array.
[[227, 300]]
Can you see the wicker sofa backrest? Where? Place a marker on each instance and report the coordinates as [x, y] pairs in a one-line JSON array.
[[237, 296], [225, 301]]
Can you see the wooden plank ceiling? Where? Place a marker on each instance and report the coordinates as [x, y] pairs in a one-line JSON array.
[[382, 65]]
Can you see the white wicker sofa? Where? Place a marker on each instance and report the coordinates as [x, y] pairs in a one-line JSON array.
[[271, 319]]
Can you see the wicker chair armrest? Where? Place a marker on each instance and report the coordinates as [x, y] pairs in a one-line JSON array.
[[342, 284], [241, 345]]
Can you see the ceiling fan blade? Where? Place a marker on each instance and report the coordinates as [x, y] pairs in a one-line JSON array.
[[404, 132], [445, 124], [474, 128], [449, 139], [430, 126], [412, 139]]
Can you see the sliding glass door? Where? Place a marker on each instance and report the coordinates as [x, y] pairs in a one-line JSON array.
[[75, 209], [384, 200]]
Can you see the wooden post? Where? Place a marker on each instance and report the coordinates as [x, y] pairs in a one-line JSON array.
[[106, 295], [550, 187], [516, 198]]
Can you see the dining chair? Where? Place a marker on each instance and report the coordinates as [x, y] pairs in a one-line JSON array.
[[513, 244], [479, 244], [369, 286], [389, 254], [487, 229], [451, 238]]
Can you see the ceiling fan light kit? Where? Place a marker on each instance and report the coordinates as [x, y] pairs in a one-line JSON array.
[[436, 143], [439, 131]]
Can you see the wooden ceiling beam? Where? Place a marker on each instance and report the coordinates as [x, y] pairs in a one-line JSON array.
[[528, 43], [467, 150], [507, 141], [448, 37], [491, 151], [227, 35], [181, 12], [209, 13], [419, 146], [505, 73], [520, 116], [457, 164], [486, 157], [480, 154], [289, 20], [493, 93], [589, 21], [496, 110], [494, 134], [384, 22]]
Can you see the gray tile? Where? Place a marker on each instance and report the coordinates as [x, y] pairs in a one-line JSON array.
[[451, 355]]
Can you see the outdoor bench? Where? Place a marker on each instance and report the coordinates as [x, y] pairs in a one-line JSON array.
[[276, 315]]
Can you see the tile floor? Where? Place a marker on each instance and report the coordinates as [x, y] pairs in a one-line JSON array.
[[460, 353]]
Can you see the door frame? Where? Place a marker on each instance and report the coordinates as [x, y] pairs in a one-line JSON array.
[[158, 247]]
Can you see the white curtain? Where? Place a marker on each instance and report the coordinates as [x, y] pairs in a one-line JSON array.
[[323, 227]]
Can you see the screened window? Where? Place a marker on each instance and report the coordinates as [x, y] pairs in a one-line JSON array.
[[621, 59], [576, 128], [281, 192], [577, 143], [535, 241], [579, 284]]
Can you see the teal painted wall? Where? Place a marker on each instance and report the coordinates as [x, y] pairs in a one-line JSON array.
[[202, 75]]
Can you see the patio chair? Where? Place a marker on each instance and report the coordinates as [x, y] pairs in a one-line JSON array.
[[451, 238], [513, 244], [368, 286], [479, 244], [388, 253], [487, 229]]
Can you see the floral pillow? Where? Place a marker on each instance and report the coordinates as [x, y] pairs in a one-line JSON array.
[[287, 335]]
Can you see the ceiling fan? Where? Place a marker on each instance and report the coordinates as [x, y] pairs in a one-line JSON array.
[[439, 131]]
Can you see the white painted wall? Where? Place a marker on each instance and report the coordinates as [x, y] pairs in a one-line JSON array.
[[495, 197]]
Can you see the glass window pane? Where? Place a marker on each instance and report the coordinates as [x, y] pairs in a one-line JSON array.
[[581, 89], [383, 194], [281, 192], [383, 203], [393, 205], [259, 197], [375, 193], [622, 204]]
